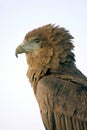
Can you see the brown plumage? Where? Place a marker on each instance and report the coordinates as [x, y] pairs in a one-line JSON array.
[[60, 88]]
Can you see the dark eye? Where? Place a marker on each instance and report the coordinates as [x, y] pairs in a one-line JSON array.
[[37, 40]]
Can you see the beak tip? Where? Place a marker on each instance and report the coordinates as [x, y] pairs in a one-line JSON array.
[[16, 54]]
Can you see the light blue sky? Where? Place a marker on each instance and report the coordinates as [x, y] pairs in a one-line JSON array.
[[18, 107]]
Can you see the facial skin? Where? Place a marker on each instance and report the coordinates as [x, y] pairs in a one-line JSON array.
[[28, 46]]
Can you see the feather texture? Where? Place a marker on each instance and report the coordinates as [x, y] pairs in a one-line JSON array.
[[66, 102], [60, 88]]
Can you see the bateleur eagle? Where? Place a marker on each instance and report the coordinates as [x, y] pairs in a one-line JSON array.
[[59, 86]]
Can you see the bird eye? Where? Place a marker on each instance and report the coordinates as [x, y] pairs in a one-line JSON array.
[[37, 40]]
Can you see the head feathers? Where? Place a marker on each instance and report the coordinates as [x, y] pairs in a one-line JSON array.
[[56, 38]]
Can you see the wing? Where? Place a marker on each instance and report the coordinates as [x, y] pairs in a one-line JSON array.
[[63, 103]]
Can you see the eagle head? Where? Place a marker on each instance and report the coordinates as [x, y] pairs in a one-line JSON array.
[[46, 44]]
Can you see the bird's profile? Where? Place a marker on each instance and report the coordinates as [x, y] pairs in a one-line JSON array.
[[59, 87]]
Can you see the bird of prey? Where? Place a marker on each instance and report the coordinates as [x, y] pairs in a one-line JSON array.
[[59, 86]]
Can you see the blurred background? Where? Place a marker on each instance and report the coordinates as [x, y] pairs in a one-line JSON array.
[[18, 107]]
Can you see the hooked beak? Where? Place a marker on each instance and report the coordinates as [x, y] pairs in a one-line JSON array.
[[20, 49], [26, 47]]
